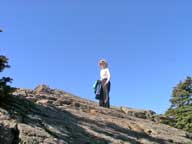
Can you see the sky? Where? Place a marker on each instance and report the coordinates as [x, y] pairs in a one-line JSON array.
[[59, 43]]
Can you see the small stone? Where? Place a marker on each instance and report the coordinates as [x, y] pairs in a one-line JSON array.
[[43, 101]]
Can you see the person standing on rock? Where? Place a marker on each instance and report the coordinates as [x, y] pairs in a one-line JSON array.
[[105, 77]]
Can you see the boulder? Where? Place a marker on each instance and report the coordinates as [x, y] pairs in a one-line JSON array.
[[42, 89], [8, 132], [144, 114]]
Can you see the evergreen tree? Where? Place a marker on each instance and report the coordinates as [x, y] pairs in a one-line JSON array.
[[5, 89], [180, 112]]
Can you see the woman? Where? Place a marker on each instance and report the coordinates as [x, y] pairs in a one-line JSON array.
[[105, 79]]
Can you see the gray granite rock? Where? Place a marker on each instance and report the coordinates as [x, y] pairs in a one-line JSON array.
[[48, 116]]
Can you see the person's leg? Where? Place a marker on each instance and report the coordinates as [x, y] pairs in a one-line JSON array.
[[101, 101], [108, 103], [107, 96], [106, 89], [109, 88], [103, 92]]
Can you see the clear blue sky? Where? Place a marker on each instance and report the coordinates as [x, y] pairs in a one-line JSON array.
[[147, 43]]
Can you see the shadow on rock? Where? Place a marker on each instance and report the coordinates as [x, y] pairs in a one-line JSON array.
[[46, 124]]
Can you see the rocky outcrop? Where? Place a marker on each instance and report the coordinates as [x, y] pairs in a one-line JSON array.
[[51, 116], [144, 114]]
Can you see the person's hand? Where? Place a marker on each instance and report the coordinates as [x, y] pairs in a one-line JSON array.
[[105, 100], [106, 83]]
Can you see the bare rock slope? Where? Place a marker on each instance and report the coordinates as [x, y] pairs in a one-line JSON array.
[[50, 116]]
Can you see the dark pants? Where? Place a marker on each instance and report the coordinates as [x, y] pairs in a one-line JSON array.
[[105, 94]]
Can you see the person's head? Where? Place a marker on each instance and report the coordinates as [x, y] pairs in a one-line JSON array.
[[103, 64]]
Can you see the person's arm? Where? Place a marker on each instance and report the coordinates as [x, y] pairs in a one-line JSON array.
[[108, 76], [100, 76]]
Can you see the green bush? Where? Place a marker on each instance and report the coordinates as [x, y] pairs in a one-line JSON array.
[[5, 89], [180, 113]]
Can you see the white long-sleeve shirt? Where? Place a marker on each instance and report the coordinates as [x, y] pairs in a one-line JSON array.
[[105, 74]]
